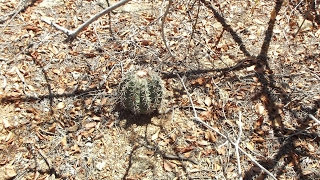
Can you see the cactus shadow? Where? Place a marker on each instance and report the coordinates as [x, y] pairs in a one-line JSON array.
[[137, 119]]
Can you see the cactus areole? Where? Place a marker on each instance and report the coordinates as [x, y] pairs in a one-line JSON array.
[[141, 91]]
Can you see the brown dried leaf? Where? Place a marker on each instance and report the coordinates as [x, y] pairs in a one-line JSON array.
[[56, 71], [258, 139], [221, 150], [206, 115], [311, 148], [9, 137], [146, 42], [64, 141], [217, 167], [259, 109], [96, 118], [155, 135], [90, 125], [207, 101], [168, 166], [187, 154], [5, 123], [75, 148], [88, 102], [203, 143], [9, 172], [183, 149], [32, 28], [258, 123], [250, 146], [209, 135], [52, 128]]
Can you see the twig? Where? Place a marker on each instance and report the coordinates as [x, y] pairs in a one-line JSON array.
[[106, 76], [176, 157], [162, 28], [195, 23], [22, 79], [313, 118], [73, 34], [237, 146], [22, 5], [104, 6], [45, 159], [302, 130], [4, 81], [196, 118]]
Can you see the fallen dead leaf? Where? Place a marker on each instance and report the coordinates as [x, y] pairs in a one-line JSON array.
[[221, 151], [155, 135], [259, 109], [75, 148], [258, 139], [209, 135], [9, 137], [168, 166], [146, 42], [311, 148], [61, 105], [207, 101], [183, 149], [90, 125], [217, 167], [6, 123], [56, 71], [250, 146], [9, 172], [64, 141]]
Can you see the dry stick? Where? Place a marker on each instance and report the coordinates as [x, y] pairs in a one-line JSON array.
[[73, 34], [237, 146], [196, 118], [22, 4], [315, 119], [195, 23], [301, 131], [162, 28]]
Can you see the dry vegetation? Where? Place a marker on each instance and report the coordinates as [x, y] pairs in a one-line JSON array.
[[59, 112]]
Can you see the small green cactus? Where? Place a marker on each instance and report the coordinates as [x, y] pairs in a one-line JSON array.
[[141, 91]]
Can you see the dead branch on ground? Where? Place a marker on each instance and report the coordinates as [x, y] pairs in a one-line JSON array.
[[73, 34]]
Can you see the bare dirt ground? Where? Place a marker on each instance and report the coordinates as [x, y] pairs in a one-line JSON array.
[[60, 117]]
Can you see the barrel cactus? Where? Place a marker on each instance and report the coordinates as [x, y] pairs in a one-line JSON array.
[[141, 91]]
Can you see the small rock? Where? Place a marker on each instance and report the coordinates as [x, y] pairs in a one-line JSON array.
[[100, 165]]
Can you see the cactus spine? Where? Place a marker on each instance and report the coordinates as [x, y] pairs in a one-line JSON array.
[[141, 91]]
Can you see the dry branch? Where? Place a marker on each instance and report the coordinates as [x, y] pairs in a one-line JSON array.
[[73, 34], [162, 27]]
